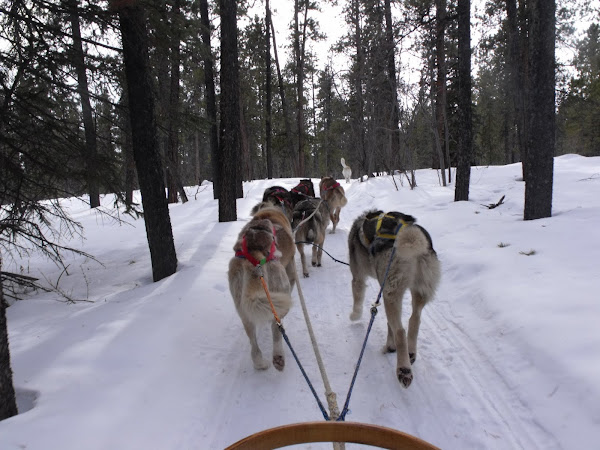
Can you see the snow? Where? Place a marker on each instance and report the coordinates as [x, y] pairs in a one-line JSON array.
[[509, 350]]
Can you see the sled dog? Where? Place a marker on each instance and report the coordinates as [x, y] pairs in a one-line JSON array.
[[334, 194], [257, 251], [278, 196], [374, 238], [304, 190], [346, 171], [311, 230]]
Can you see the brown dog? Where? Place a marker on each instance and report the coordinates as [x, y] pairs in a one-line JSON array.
[[377, 240], [334, 195], [264, 246], [311, 218]]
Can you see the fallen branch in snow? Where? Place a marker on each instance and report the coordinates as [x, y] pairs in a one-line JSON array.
[[593, 177], [494, 205], [67, 296], [16, 284]]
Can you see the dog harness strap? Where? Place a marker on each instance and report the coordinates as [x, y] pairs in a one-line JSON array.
[[401, 223], [333, 186], [281, 199], [255, 262], [301, 187]]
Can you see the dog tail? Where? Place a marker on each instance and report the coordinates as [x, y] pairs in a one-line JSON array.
[[343, 161], [310, 235], [344, 201], [411, 242]]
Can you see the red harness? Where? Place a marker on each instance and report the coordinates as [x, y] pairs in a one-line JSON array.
[[243, 253], [277, 194], [333, 186], [300, 188]]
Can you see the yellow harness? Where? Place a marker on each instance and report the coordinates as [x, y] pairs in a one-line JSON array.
[[382, 235]]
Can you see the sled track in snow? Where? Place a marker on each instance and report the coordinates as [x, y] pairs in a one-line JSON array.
[[456, 361]]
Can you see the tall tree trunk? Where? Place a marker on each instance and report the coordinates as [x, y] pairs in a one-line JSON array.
[[246, 172], [524, 88], [513, 108], [129, 163], [299, 54], [465, 120], [230, 113], [8, 403], [391, 63], [268, 100], [91, 143], [437, 150], [161, 44], [284, 104], [211, 102], [441, 103], [540, 152], [358, 109], [175, 184], [197, 180], [145, 143]]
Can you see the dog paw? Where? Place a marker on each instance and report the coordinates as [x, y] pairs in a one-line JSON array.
[[314, 263], [389, 349], [279, 362], [261, 364], [413, 357], [405, 376], [355, 315], [305, 274]]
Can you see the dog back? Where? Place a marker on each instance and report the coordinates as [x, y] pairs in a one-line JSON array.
[[277, 196], [370, 242], [313, 228], [332, 192]]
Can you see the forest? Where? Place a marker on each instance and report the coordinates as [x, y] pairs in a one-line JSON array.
[[114, 96]]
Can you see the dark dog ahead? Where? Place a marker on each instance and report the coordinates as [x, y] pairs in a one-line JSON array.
[[310, 221]]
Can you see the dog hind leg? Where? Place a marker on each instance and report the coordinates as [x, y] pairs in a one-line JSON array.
[[278, 356], [418, 302], [393, 309], [335, 218], [260, 363], [358, 293], [300, 248], [318, 250], [290, 270]]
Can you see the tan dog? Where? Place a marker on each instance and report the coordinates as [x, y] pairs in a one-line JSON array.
[[263, 246], [373, 238], [334, 196], [309, 227]]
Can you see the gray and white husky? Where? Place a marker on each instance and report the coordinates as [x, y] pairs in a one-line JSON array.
[[414, 265]]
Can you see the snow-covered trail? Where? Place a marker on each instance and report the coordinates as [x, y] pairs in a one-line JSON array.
[[452, 374], [167, 365]]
